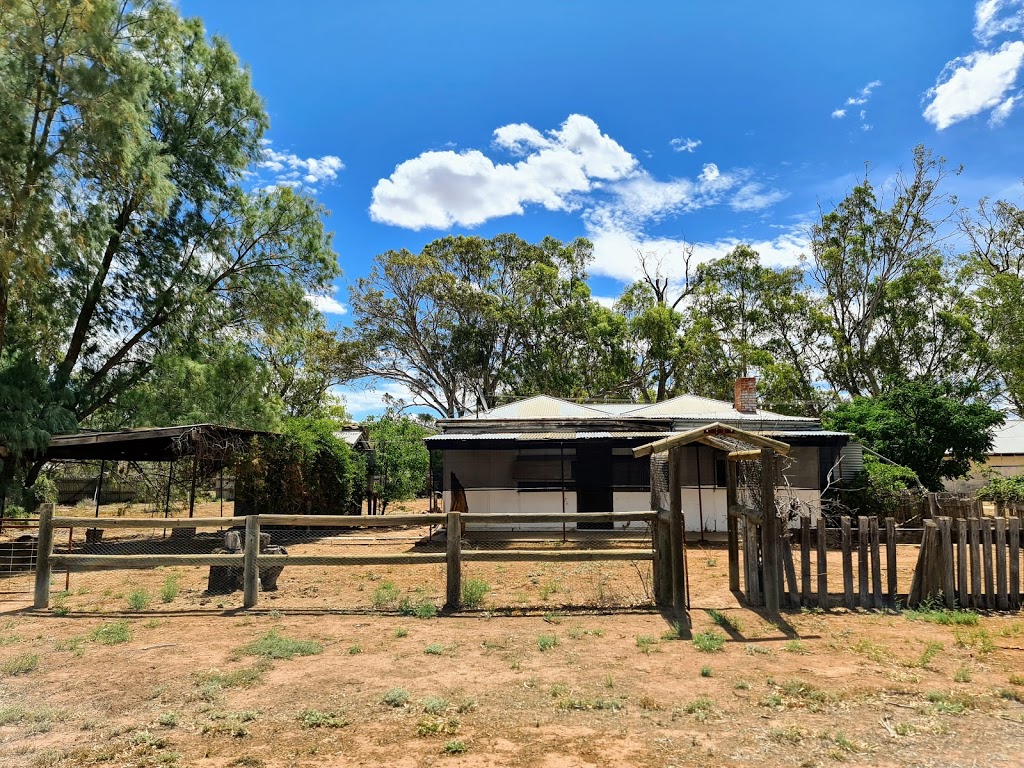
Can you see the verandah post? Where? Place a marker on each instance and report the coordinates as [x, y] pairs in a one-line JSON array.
[[453, 563], [732, 526], [45, 549], [675, 478], [771, 544]]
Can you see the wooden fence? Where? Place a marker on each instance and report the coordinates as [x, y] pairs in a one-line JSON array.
[[972, 562], [251, 560]]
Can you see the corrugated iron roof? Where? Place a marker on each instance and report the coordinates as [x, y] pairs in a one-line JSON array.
[[1009, 438], [528, 436], [684, 406], [543, 407]]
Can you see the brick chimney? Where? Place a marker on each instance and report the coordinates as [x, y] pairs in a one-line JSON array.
[[744, 398]]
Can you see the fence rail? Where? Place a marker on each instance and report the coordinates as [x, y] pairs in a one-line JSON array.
[[251, 562]]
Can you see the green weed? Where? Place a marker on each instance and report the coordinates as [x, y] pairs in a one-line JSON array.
[[401, 632], [112, 633], [727, 622], [314, 718], [385, 595], [20, 665], [709, 642], [796, 646], [139, 600], [273, 645], [646, 643], [705, 671], [170, 589], [547, 642], [434, 705], [454, 747], [474, 591], [396, 697]]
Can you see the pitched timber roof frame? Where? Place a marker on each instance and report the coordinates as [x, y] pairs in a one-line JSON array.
[[716, 435]]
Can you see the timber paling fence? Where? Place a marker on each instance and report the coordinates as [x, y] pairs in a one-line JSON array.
[[249, 559], [967, 562]]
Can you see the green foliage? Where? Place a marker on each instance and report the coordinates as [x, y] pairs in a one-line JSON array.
[[927, 426], [454, 747], [307, 470], [999, 488], [547, 642], [878, 489], [171, 587], [314, 718], [112, 633], [385, 595], [20, 665], [474, 591], [396, 697], [709, 642], [139, 599], [401, 460], [273, 645]]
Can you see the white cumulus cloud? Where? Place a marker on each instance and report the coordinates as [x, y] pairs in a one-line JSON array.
[[997, 17], [685, 145], [973, 84], [442, 189], [864, 94], [327, 304], [838, 113], [286, 169]]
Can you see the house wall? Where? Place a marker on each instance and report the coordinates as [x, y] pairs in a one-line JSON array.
[[1006, 464], [489, 477]]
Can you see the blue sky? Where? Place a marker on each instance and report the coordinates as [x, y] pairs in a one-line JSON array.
[[636, 127]]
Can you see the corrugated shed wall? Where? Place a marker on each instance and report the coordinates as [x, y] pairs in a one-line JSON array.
[[852, 455]]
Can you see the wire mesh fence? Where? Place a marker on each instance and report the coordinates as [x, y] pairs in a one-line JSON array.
[[154, 564]]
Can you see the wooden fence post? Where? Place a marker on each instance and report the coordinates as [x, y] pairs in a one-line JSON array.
[[770, 543], [805, 560], [662, 560], [847, 536], [974, 526], [453, 564], [1002, 599], [45, 549], [963, 588], [790, 569], [675, 458], [890, 560], [732, 526], [1014, 562], [250, 568], [862, 561], [876, 561], [946, 560], [822, 565], [986, 554]]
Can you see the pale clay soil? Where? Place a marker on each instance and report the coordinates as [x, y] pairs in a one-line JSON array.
[[816, 688]]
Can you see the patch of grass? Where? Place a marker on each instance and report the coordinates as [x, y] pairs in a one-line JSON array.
[[877, 653], [796, 646], [396, 697], [139, 599], [1011, 695], [700, 708], [549, 589], [1016, 679], [432, 726], [434, 649], [385, 595], [354, 649], [709, 642], [112, 633], [705, 671], [904, 729], [466, 705], [474, 591], [421, 609], [724, 621], [73, 644], [170, 589], [12, 715], [789, 734], [401, 632], [936, 615], [553, 617], [454, 747], [675, 632], [315, 718], [168, 719], [845, 743], [742, 685], [757, 650], [979, 641], [952, 703], [547, 642], [962, 675], [647, 643], [584, 705], [238, 678], [434, 705], [929, 653], [273, 645], [20, 665]]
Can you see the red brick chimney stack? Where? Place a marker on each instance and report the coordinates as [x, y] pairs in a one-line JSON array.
[[745, 395]]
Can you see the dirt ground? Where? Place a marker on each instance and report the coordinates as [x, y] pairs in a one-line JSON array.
[[562, 665]]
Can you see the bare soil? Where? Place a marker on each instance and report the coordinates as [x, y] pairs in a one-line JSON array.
[[563, 665]]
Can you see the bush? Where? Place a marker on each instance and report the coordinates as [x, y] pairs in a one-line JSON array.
[[880, 487], [306, 470], [1004, 489], [473, 592]]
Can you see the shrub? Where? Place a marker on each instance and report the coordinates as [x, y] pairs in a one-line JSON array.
[[396, 697], [878, 489], [20, 665], [139, 600], [474, 591], [454, 747], [709, 642], [547, 642], [275, 646], [314, 718], [170, 589]]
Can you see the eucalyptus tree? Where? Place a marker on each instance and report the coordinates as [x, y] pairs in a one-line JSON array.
[[127, 233]]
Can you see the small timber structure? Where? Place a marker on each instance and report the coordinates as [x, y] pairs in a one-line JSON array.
[[666, 497]]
